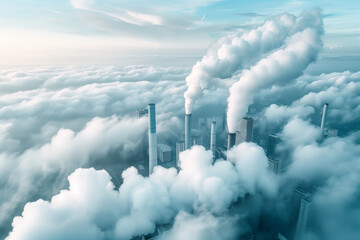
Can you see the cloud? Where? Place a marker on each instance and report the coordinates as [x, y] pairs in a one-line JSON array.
[[307, 95], [277, 114], [59, 120], [82, 4], [330, 169], [204, 226], [99, 211], [130, 17], [65, 152], [56, 119]]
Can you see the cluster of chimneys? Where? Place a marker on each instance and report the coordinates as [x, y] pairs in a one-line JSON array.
[[231, 136], [153, 141]]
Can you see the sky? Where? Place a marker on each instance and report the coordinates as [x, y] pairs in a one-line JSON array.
[[40, 32]]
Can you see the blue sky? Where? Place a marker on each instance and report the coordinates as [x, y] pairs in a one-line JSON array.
[[150, 31]]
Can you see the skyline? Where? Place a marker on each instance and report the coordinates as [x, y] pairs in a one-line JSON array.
[[80, 32]]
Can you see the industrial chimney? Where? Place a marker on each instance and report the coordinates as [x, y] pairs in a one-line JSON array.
[[152, 138], [213, 138], [323, 119], [187, 131]]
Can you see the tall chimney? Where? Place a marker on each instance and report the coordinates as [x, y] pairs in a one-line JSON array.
[[323, 119], [231, 140], [152, 138], [187, 131], [213, 138]]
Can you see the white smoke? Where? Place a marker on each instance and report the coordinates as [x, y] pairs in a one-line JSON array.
[[280, 67], [231, 53], [100, 212], [203, 227]]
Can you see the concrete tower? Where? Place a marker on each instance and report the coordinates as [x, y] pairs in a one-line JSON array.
[[323, 119], [152, 138], [187, 131], [244, 133], [213, 138], [231, 140]]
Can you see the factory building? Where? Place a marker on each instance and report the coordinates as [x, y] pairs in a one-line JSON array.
[[164, 153], [244, 132], [302, 222], [274, 155], [300, 200]]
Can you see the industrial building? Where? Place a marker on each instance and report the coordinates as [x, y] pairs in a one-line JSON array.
[[244, 132], [300, 199], [164, 153]]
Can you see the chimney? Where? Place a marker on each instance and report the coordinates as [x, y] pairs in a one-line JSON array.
[[213, 138], [187, 131], [152, 138], [231, 140], [323, 119]]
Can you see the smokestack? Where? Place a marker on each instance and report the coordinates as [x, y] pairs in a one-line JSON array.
[[187, 131], [213, 138], [231, 140], [152, 138], [323, 119]]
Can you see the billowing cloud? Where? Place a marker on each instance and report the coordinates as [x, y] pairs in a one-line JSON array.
[[233, 53], [280, 67], [24, 174], [202, 227], [101, 212], [56, 119], [309, 93]]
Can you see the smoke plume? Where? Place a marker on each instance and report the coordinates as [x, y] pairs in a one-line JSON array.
[[280, 67], [231, 53]]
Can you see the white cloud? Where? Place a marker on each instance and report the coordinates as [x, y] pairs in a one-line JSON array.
[[100, 212]]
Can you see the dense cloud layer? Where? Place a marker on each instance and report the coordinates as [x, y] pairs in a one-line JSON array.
[[307, 95], [332, 167], [57, 120], [100, 212], [50, 125], [64, 118], [24, 175]]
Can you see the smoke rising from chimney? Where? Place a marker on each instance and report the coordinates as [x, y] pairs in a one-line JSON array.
[[231, 54], [280, 67]]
